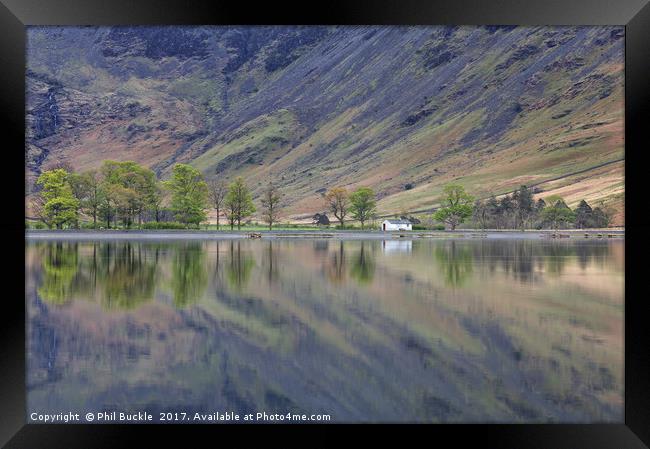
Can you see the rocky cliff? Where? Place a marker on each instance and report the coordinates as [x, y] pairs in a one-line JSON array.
[[401, 109]]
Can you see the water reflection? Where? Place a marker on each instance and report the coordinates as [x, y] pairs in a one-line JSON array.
[[363, 264], [435, 331], [60, 265], [455, 261], [189, 274], [240, 266]]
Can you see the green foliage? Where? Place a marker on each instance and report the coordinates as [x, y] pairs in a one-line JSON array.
[[189, 194], [363, 204], [30, 224], [163, 225], [127, 190], [456, 206], [87, 189], [238, 202], [558, 214]]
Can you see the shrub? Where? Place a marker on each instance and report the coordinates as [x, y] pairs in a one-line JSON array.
[[89, 225], [35, 225], [163, 225]]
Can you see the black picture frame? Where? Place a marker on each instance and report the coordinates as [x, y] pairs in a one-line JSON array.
[[634, 14]]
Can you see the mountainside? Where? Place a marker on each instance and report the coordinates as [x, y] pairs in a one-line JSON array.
[[403, 110]]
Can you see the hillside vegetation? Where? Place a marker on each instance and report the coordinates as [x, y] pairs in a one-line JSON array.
[[402, 110]]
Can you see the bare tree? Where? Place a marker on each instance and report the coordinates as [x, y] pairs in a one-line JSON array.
[[270, 205], [338, 203], [217, 191]]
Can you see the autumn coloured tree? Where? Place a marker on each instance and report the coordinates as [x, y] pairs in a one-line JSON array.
[[338, 202]]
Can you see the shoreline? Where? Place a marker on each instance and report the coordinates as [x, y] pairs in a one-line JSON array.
[[466, 234]]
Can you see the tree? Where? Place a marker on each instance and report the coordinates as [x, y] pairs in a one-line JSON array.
[[60, 207], [86, 187], [506, 211], [557, 214], [270, 205], [155, 200], [601, 217], [363, 204], [524, 206], [492, 206], [218, 191], [239, 202], [480, 213], [584, 215], [189, 194], [338, 202], [130, 188], [456, 206]]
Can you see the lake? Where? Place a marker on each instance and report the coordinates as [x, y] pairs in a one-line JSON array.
[[425, 330]]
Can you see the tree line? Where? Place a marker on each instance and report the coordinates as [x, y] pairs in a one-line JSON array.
[[518, 210], [126, 194]]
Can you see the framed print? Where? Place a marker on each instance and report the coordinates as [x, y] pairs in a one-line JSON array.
[[369, 213]]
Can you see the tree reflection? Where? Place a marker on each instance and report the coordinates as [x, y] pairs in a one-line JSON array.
[[240, 267], [363, 265], [189, 274], [271, 262], [60, 266], [455, 262], [121, 274], [126, 272], [336, 269]]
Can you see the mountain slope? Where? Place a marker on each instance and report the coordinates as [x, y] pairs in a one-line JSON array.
[[401, 109]]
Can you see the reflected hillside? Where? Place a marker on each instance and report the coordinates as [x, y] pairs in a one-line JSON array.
[[432, 331]]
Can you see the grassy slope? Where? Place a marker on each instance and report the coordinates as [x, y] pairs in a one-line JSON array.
[[335, 116]]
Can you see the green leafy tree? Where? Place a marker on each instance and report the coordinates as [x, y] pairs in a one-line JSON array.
[[558, 214], [363, 204], [189, 194], [456, 206], [60, 207], [129, 189], [87, 188], [239, 202]]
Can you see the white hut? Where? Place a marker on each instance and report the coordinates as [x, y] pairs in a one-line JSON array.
[[397, 225]]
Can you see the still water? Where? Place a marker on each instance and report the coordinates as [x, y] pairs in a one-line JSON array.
[[365, 331]]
